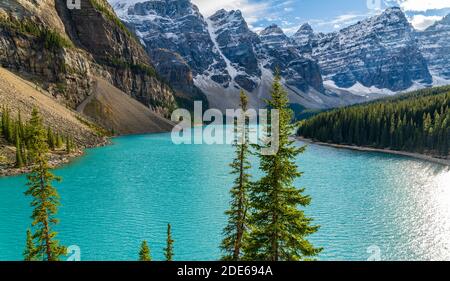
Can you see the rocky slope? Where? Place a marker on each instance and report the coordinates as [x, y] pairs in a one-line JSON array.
[[18, 94], [64, 51], [121, 114], [435, 46], [380, 52]]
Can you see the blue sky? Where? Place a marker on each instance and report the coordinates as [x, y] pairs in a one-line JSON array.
[[325, 15]]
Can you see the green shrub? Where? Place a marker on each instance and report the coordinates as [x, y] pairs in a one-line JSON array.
[[51, 39]]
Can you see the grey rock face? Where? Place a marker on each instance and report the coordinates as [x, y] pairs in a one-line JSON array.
[[381, 51], [172, 67], [305, 39], [178, 26], [236, 42], [100, 48], [435, 46], [280, 52]]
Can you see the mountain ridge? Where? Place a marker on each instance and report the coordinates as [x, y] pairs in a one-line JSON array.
[[237, 58]]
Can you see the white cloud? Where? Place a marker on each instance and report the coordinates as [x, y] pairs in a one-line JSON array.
[[209, 7], [339, 21], [421, 22], [420, 5]]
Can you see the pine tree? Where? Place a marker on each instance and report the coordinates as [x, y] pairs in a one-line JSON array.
[[144, 253], [237, 214], [68, 145], [168, 251], [20, 125], [59, 141], [19, 158], [7, 126], [51, 139], [30, 249], [45, 198], [278, 227]]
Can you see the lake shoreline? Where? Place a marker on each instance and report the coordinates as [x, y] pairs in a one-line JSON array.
[[55, 160], [428, 158]]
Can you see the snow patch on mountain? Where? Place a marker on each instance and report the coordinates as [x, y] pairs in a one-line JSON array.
[[212, 32]]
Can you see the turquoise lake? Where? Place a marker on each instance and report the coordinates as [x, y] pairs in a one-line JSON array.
[[369, 205]]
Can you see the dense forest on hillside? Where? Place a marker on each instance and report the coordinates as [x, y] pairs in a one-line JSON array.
[[416, 122]]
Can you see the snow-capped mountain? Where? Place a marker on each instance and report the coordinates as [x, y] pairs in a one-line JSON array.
[[305, 38], [279, 51], [376, 57], [435, 46], [236, 44], [380, 52], [178, 26], [223, 53]]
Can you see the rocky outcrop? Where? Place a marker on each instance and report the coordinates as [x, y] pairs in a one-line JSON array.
[[380, 52], [99, 31], [435, 46], [174, 69], [64, 48], [28, 44]]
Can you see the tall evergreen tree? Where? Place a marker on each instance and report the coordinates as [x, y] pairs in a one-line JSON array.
[[45, 198], [19, 158], [30, 249], [236, 228], [144, 253], [68, 145], [59, 141], [51, 139], [168, 251], [279, 229]]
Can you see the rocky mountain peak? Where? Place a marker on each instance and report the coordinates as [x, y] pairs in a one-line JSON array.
[[435, 46], [444, 23], [235, 42], [230, 19], [446, 19], [304, 38], [272, 29], [274, 37], [304, 28], [380, 52]]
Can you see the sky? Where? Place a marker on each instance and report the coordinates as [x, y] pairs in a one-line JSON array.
[[325, 15]]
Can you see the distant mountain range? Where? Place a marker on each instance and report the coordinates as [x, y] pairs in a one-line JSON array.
[[166, 54], [220, 55]]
